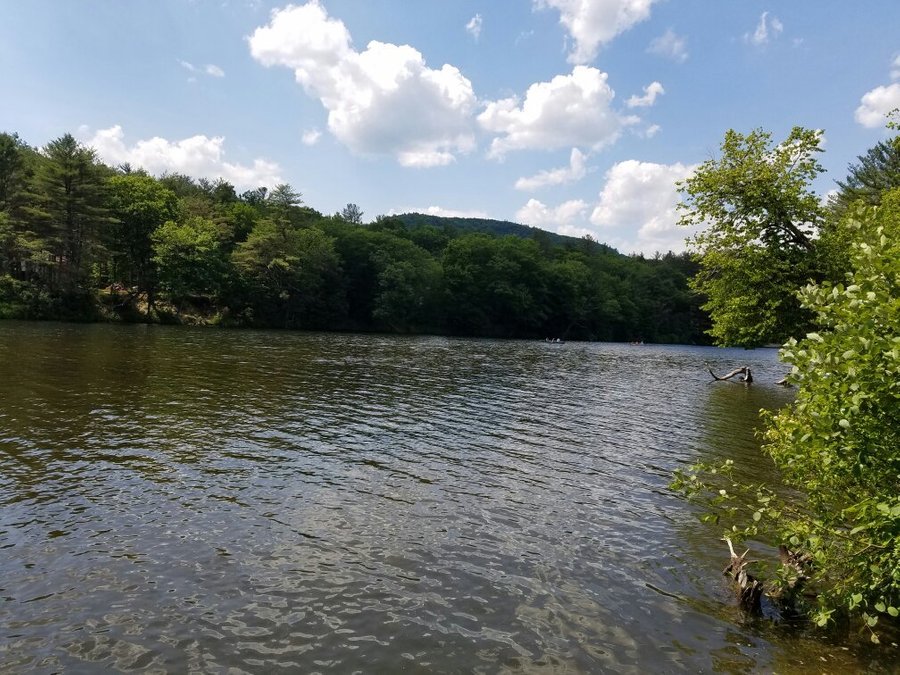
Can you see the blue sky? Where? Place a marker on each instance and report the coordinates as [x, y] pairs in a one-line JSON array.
[[576, 116]]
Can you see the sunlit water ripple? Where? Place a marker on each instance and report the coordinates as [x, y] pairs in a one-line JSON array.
[[215, 501]]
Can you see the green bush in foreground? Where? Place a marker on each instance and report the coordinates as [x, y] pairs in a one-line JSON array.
[[839, 443]]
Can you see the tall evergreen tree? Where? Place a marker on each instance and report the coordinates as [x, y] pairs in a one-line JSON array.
[[71, 187], [17, 242], [876, 172]]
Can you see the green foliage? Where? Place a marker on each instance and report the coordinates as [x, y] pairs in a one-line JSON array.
[[189, 258], [140, 205], [839, 443], [352, 214], [74, 231], [13, 170], [496, 228], [761, 216], [876, 172], [750, 294], [409, 285], [293, 274], [23, 300], [499, 284], [70, 209]]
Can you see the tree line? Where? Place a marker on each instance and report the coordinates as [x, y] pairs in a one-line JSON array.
[[81, 240]]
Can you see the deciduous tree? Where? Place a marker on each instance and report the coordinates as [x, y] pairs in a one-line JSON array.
[[761, 217]]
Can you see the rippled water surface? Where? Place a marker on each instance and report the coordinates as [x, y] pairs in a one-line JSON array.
[[213, 501]]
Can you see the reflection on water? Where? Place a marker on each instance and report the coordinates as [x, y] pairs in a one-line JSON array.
[[183, 499]]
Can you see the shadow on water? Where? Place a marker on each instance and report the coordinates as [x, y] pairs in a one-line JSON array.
[[187, 499]]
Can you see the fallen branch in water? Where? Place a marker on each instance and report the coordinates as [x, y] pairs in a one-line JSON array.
[[743, 370]]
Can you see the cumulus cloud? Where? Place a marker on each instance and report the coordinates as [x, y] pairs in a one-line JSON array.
[[569, 111], [473, 28], [311, 136], [766, 30], [383, 100], [567, 174], [538, 214], [651, 91], [198, 156], [876, 104], [593, 23], [637, 207], [669, 45]]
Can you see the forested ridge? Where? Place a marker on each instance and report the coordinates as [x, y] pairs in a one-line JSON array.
[[80, 240]]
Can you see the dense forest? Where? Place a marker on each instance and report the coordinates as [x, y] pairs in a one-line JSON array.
[[80, 240]]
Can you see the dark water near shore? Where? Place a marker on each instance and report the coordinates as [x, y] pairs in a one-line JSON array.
[[215, 501]]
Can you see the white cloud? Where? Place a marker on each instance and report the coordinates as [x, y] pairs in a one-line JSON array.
[[594, 23], [524, 36], [651, 91], [876, 104], [766, 30], [569, 111], [538, 214], [567, 174], [670, 45], [638, 207], [651, 131], [311, 136], [383, 100], [198, 156], [209, 69], [473, 28]]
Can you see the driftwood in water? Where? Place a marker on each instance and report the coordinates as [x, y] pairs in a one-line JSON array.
[[786, 595], [796, 568], [749, 589], [743, 370]]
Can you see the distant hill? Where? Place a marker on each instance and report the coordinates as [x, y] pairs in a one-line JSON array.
[[497, 228]]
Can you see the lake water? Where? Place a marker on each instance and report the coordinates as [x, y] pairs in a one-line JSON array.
[[202, 500]]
